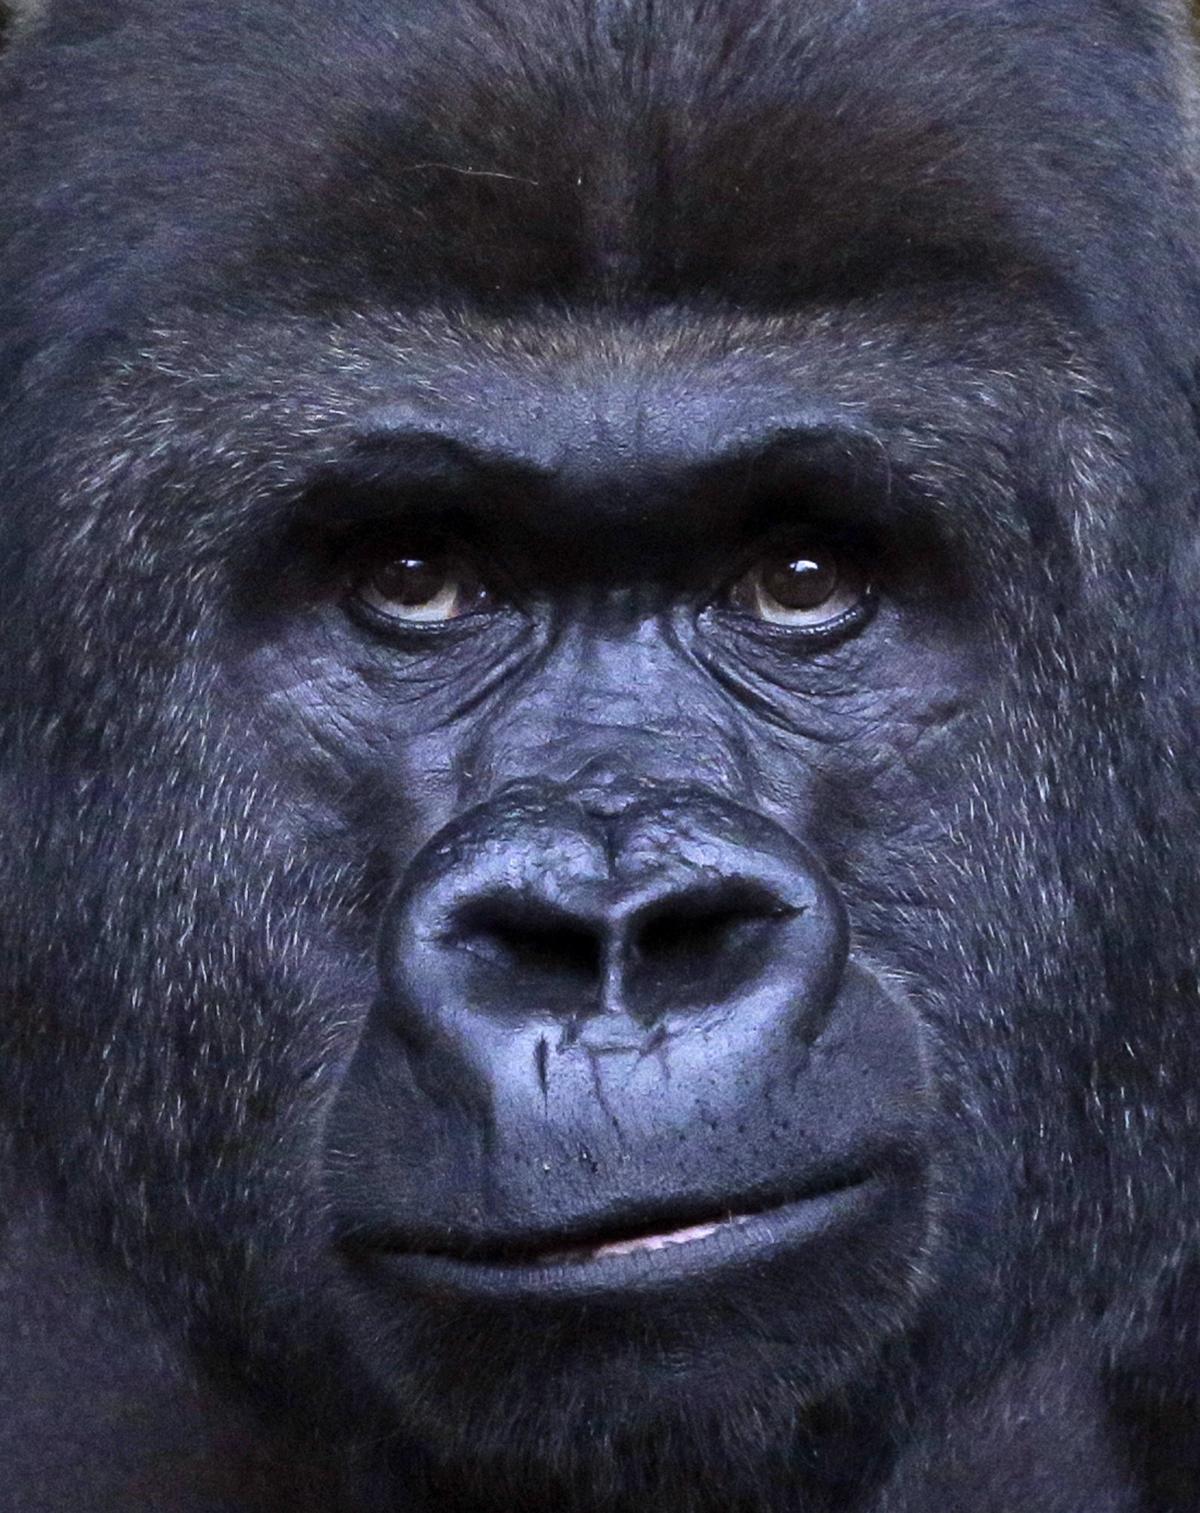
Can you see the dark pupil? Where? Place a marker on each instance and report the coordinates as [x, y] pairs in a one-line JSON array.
[[800, 584], [410, 580]]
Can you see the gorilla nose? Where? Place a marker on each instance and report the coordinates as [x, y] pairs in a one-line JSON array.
[[643, 951], [677, 909]]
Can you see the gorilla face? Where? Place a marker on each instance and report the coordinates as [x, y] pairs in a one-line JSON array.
[[627, 1076], [594, 851]]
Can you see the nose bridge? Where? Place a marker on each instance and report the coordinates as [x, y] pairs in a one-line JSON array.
[[606, 711]]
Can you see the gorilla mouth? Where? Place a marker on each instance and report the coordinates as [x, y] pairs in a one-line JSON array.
[[639, 1239], [638, 1252]]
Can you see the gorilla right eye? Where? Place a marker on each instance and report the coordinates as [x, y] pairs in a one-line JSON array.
[[412, 589], [801, 588]]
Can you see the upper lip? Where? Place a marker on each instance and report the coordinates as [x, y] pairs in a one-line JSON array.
[[589, 1232]]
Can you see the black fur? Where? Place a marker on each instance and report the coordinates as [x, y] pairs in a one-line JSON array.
[[632, 286]]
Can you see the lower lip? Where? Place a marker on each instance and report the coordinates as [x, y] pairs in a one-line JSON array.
[[651, 1263]]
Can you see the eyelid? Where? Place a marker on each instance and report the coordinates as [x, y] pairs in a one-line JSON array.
[[785, 541], [376, 546]]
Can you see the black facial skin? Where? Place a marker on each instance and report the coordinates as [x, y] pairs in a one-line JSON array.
[[598, 740]]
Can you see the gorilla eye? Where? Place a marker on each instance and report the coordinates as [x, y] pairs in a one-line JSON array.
[[799, 588], [411, 589]]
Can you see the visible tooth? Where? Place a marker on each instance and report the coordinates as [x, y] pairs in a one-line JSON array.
[[657, 1242]]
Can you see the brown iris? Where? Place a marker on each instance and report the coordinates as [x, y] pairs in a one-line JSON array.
[[414, 589], [802, 588]]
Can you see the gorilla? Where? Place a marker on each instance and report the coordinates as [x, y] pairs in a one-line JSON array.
[[600, 764]]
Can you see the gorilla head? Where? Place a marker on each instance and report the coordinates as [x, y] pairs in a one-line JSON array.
[[599, 740]]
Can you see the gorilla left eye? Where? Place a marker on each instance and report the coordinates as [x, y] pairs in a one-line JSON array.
[[800, 589], [415, 589]]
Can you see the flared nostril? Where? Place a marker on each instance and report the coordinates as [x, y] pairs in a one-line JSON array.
[[683, 938], [693, 950], [700, 927], [528, 937]]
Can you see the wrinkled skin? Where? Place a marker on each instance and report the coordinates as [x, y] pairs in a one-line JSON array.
[[600, 756]]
